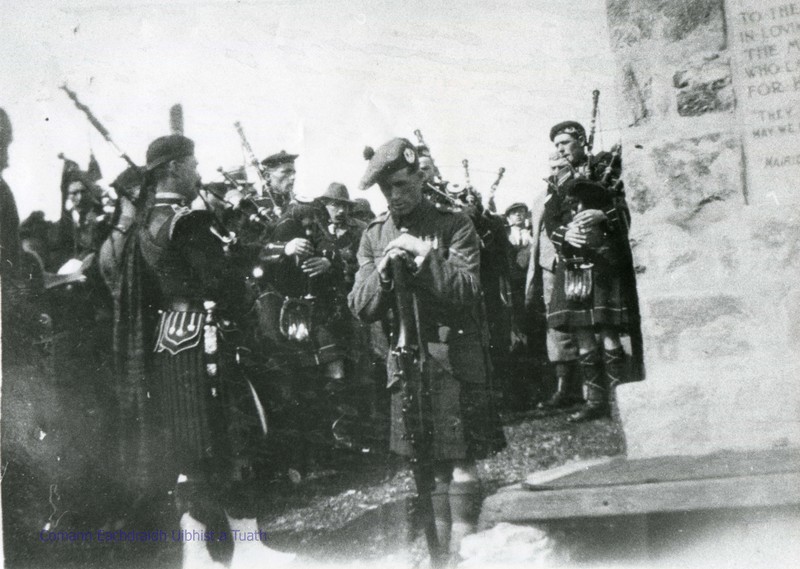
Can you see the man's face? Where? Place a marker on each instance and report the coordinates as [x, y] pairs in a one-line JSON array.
[[281, 178], [403, 191], [188, 178], [427, 168], [570, 148], [516, 217], [337, 211], [78, 196]]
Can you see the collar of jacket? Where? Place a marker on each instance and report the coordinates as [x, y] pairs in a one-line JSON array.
[[413, 219]]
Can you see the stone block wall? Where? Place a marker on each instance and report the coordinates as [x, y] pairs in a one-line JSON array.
[[715, 230]]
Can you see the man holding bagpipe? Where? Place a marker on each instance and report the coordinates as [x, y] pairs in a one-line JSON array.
[[443, 418], [208, 418], [594, 290], [303, 277]]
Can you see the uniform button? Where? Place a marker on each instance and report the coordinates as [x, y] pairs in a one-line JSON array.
[[461, 331]]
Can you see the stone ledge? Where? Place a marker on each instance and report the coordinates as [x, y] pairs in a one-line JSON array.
[[729, 480]]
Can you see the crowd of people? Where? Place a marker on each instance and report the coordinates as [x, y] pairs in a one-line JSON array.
[[242, 331]]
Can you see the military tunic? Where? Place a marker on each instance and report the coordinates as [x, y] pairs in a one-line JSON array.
[[447, 285]]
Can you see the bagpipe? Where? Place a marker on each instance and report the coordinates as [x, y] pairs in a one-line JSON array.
[[599, 186], [236, 197], [218, 228], [297, 313], [294, 314], [274, 211], [493, 189], [467, 197], [435, 190]]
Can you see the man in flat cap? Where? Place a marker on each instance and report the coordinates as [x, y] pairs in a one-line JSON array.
[[303, 283], [519, 236], [195, 385], [590, 237], [443, 252], [517, 218], [280, 171]]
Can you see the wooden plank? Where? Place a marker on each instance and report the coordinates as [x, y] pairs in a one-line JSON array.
[[674, 496], [673, 468], [543, 478]]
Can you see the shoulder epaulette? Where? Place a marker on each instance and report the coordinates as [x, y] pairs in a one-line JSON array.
[[186, 217]]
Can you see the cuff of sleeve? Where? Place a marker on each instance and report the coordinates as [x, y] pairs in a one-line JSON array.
[[558, 237], [612, 215], [272, 251]]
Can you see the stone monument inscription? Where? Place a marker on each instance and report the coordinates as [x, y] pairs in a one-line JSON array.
[[765, 36]]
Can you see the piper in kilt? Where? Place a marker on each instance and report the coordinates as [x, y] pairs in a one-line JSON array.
[[209, 416], [594, 293], [302, 277]]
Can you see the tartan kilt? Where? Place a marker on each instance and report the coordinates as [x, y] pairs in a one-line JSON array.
[[466, 424], [209, 424], [609, 304]]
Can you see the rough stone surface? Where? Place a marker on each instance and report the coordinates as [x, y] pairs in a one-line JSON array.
[[717, 277], [647, 72], [705, 86], [682, 177], [720, 300], [637, 90], [633, 22]]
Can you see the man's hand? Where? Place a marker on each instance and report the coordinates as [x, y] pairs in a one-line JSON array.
[[315, 266], [384, 268], [589, 218], [415, 246], [233, 198], [575, 235], [299, 246]]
